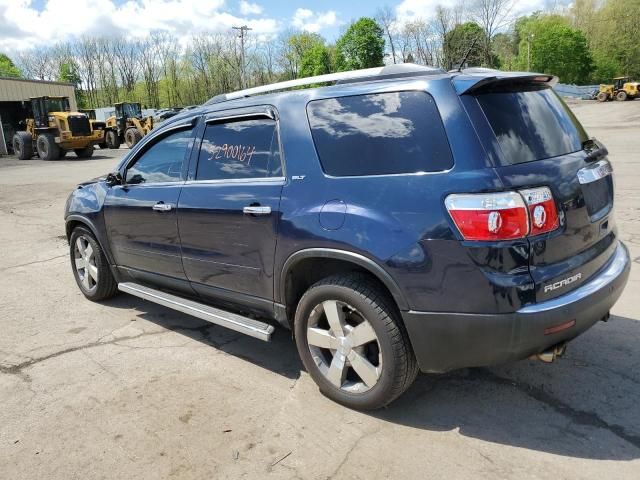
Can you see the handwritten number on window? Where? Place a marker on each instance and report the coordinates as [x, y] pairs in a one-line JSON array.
[[242, 153]]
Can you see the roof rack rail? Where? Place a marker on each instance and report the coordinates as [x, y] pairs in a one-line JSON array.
[[352, 76]]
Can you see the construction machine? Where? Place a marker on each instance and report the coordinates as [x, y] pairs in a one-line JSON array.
[[51, 129], [622, 89], [95, 124], [127, 125]]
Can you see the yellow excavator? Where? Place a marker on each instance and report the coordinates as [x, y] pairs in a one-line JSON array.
[[52, 129], [127, 125], [622, 89]]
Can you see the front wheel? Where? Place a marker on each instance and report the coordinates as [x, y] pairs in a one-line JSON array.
[[90, 266], [132, 136], [621, 96], [47, 147], [352, 342], [86, 152], [112, 139]]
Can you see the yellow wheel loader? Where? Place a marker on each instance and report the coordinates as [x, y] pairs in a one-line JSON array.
[[95, 124], [51, 130], [127, 125], [622, 89]]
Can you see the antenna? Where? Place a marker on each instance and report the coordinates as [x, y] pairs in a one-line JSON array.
[[466, 55]]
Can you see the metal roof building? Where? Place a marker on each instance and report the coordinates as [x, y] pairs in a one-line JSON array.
[[14, 90]]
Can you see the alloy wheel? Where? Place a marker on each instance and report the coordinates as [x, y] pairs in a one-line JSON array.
[[85, 263], [344, 346]]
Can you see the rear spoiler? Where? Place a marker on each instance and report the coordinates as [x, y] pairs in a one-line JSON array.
[[471, 81]]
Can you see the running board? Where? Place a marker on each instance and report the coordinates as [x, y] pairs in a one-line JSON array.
[[232, 321]]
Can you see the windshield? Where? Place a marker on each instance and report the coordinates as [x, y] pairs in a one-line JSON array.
[[532, 125], [131, 110], [58, 105]]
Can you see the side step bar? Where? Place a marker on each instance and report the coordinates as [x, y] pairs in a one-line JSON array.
[[233, 321]]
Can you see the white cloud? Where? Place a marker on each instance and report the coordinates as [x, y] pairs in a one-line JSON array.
[[311, 21], [247, 8], [23, 26], [409, 10]]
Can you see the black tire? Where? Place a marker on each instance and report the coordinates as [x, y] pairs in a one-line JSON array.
[[47, 147], [602, 97], [86, 152], [104, 286], [112, 140], [62, 153], [621, 96], [23, 145], [398, 363], [131, 137]]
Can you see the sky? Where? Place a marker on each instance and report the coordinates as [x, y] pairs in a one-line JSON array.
[[25, 23]]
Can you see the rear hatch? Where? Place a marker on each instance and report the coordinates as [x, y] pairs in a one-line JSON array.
[[536, 141]]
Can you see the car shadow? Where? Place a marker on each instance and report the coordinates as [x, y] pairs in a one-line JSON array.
[[278, 356], [583, 405]]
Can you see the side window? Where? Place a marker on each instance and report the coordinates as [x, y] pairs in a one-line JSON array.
[[240, 149], [162, 162], [377, 134]]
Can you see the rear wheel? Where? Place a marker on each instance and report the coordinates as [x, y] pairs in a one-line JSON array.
[[352, 342], [112, 140], [602, 97], [86, 152], [621, 96], [23, 145], [47, 147], [132, 136], [90, 266]]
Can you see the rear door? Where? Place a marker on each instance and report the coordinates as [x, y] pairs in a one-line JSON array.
[[538, 142], [229, 208]]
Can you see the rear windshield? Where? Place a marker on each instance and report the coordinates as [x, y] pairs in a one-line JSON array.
[[379, 134], [532, 125]]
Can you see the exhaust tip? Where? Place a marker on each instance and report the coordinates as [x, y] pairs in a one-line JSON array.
[[549, 355]]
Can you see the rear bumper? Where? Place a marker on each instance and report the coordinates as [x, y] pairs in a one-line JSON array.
[[446, 341]]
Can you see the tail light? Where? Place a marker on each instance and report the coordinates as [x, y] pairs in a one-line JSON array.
[[489, 216], [503, 215], [542, 210]]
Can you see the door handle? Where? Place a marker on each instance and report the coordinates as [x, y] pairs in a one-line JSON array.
[[162, 207], [257, 210]]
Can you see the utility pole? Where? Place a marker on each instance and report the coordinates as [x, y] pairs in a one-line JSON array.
[[243, 29]]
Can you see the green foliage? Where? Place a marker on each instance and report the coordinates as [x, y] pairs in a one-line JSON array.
[[459, 40], [7, 67], [315, 61], [505, 49], [361, 46], [69, 73], [554, 47]]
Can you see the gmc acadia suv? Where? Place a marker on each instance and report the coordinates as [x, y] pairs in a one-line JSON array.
[[397, 220]]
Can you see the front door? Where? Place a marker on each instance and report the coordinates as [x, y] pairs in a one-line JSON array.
[[228, 212], [141, 214]]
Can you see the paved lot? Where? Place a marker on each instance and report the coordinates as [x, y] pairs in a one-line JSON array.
[[127, 389]]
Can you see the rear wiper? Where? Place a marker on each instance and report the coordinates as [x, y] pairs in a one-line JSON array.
[[594, 149]]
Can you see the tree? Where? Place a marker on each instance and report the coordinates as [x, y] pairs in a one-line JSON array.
[[466, 37], [555, 48], [505, 48], [8, 68], [387, 19], [491, 15], [361, 46], [315, 61]]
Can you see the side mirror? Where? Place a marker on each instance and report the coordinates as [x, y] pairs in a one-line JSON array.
[[114, 179]]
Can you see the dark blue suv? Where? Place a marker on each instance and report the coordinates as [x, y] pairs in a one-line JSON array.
[[402, 219]]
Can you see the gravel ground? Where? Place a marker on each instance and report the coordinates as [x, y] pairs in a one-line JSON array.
[[127, 389]]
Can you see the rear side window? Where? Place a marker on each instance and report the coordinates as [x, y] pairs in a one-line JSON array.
[[240, 149], [532, 125], [378, 134]]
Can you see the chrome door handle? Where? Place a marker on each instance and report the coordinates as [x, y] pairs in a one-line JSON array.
[[257, 210], [162, 207]]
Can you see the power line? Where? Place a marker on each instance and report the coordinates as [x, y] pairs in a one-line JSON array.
[[243, 29]]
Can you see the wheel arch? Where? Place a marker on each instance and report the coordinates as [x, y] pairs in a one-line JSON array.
[[73, 221], [333, 261]]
